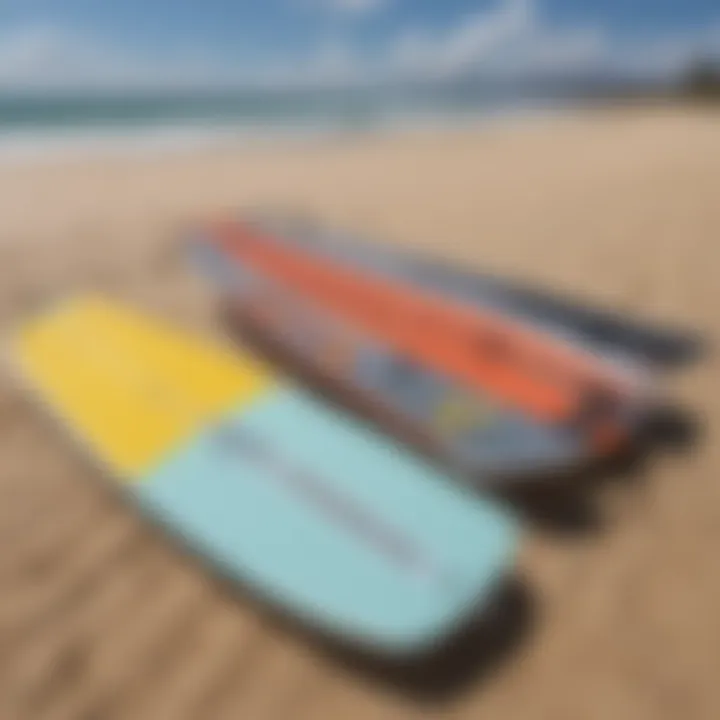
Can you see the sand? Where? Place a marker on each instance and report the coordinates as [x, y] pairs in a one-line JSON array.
[[102, 617]]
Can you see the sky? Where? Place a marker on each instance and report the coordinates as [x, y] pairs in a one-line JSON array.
[[170, 43]]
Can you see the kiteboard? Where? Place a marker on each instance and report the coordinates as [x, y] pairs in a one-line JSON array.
[[482, 353], [602, 332], [309, 508], [475, 432]]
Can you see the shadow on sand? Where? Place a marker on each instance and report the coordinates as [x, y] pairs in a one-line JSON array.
[[567, 503], [470, 657], [473, 654]]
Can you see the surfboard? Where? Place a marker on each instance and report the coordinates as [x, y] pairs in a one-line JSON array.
[[603, 332], [479, 351], [311, 510], [475, 433]]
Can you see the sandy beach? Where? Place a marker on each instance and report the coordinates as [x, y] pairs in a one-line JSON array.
[[102, 617]]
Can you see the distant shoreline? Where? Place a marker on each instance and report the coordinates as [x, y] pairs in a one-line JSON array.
[[111, 140], [21, 146]]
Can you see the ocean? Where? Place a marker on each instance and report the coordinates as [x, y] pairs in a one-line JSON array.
[[42, 125]]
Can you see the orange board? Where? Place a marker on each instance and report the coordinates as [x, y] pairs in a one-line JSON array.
[[481, 350]]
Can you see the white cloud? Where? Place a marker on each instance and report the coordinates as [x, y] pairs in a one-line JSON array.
[[510, 39], [514, 39], [48, 56], [334, 62], [28, 53], [472, 42]]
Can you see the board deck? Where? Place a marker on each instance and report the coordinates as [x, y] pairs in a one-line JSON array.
[[474, 432], [313, 511], [481, 352], [602, 332]]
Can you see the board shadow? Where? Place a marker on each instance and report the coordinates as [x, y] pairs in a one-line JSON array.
[[476, 651], [568, 503], [472, 656]]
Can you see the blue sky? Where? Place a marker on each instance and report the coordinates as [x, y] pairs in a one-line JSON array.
[[180, 42]]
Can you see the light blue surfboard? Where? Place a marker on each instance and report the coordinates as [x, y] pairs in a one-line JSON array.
[[334, 523]]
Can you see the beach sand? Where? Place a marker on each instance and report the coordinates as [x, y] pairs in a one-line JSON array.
[[101, 617]]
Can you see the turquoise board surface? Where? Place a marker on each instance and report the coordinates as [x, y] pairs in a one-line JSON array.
[[331, 520]]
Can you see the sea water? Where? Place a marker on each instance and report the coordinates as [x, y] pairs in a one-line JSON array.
[[47, 125]]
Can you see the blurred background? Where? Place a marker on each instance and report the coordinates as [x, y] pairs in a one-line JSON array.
[[181, 72]]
